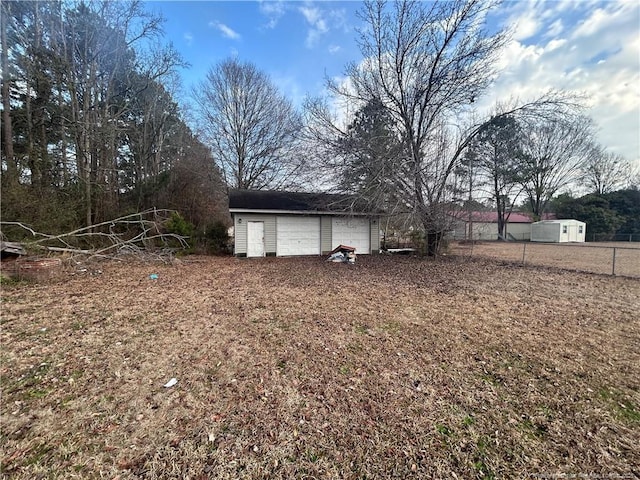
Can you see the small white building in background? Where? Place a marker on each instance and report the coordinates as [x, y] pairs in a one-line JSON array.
[[558, 231]]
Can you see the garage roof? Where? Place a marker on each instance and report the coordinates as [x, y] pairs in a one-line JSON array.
[[295, 202]]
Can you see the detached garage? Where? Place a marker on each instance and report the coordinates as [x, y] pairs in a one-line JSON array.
[[268, 223], [558, 231]]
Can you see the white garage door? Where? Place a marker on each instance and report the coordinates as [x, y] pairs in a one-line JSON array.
[[353, 232], [297, 236]]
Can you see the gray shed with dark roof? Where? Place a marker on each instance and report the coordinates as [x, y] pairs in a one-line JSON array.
[[294, 223]]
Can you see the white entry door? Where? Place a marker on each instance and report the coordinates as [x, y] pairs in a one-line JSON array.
[[573, 233], [353, 232], [255, 239]]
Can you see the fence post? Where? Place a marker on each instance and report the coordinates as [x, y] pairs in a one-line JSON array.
[[524, 250], [613, 271]]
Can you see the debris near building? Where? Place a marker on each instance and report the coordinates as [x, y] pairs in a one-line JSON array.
[[11, 250], [400, 251], [32, 269], [343, 254], [16, 264]]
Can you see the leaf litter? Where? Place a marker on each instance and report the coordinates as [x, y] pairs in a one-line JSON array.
[[299, 368]]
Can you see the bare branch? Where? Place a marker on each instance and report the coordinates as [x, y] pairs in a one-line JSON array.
[[142, 233], [251, 127]]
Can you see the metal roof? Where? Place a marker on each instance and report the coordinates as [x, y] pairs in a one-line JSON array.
[[492, 217]]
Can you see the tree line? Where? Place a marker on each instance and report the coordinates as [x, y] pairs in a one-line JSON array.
[[418, 147], [515, 158], [612, 215], [90, 127], [90, 122]]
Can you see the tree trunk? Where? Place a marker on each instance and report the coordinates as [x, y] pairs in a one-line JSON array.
[[501, 220], [433, 242], [11, 174], [63, 140]]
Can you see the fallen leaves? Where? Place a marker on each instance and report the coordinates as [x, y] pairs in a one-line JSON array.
[[393, 367]]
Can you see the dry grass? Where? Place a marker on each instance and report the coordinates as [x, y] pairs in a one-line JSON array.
[[298, 368], [585, 257]]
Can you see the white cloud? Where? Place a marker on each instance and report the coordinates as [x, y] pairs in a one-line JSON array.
[[554, 44], [288, 85], [226, 31], [590, 48], [555, 28], [526, 27], [273, 10], [334, 49], [321, 21], [188, 38], [311, 14], [339, 20], [596, 22], [317, 24]]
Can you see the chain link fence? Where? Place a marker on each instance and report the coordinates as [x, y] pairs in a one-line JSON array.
[[488, 237], [613, 237], [621, 259], [591, 237]]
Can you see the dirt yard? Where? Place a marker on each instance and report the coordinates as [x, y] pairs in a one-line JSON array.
[[585, 257], [298, 368]]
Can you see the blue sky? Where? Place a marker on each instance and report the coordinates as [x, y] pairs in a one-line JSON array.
[[296, 43], [581, 45]]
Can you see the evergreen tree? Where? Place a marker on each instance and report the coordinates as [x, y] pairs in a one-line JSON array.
[[372, 153], [494, 155]]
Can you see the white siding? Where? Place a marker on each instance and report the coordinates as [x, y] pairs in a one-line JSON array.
[[520, 231], [370, 227], [545, 231], [240, 228], [325, 235], [558, 231], [484, 231], [489, 230]]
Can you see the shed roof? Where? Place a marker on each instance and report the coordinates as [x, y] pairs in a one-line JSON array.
[[562, 220], [270, 200]]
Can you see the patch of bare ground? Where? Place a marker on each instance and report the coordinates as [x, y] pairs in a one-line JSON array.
[[299, 368]]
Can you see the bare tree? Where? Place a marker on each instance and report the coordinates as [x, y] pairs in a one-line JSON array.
[[99, 41], [251, 127], [554, 153], [90, 128], [426, 62], [605, 172]]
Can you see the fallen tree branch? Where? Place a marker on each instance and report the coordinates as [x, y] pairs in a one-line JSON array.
[[68, 250], [143, 234]]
